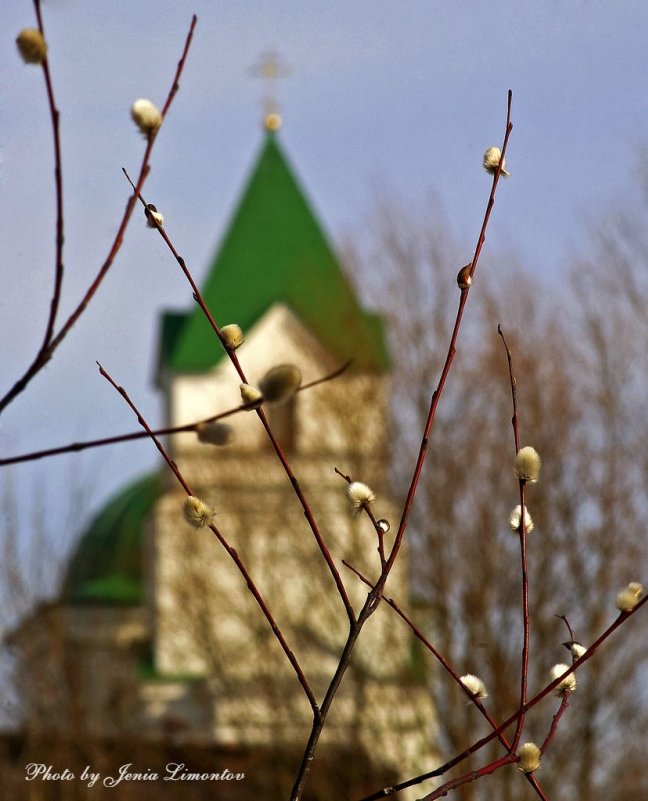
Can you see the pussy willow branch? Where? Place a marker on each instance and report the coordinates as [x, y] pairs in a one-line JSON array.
[[497, 764], [260, 413], [373, 598], [523, 541], [436, 395], [53, 341], [476, 746], [446, 665], [230, 550], [379, 532], [97, 443], [58, 180]]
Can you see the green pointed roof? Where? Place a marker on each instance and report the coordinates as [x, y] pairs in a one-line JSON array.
[[107, 565], [275, 251]]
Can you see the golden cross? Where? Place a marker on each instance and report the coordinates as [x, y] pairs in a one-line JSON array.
[[270, 68]]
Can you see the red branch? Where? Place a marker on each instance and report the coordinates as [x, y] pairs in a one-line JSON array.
[[471, 776], [52, 342], [524, 679], [114, 440], [230, 550], [260, 412], [58, 179], [555, 721], [436, 395]]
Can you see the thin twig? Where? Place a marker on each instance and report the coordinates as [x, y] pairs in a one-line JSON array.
[[572, 637], [436, 395], [379, 532], [260, 412], [471, 776], [230, 550], [58, 179], [513, 383], [555, 721], [525, 615], [45, 354], [524, 678], [97, 443]]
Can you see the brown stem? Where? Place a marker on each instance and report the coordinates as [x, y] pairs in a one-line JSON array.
[[524, 679], [523, 557], [46, 353], [230, 550], [260, 413], [370, 606], [58, 179], [572, 637], [555, 721], [513, 383]]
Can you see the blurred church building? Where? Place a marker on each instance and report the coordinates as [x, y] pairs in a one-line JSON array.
[[156, 651]]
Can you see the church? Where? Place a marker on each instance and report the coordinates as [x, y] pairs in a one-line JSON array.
[[156, 652]]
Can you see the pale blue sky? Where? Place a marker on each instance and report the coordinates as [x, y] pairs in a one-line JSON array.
[[404, 95]]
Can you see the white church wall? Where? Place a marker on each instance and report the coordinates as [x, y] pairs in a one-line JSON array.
[[347, 414]]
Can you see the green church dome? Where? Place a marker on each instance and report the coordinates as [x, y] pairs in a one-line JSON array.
[[106, 568]]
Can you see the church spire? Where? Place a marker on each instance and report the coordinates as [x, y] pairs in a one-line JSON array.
[[275, 251]]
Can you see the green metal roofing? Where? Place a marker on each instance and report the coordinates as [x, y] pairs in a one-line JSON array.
[[275, 251], [107, 565]]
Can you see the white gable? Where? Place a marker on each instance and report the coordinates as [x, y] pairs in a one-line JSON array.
[[279, 337]]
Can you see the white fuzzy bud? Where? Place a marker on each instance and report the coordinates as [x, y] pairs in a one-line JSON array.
[[250, 396], [627, 599], [32, 46], [153, 216], [568, 684], [528, 757], [146, 116], [196, 512], [232, 336], [492, 159], [360, 494], [280, 383], [215, 433], [527, 464], [515, 520], [474, 685]]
